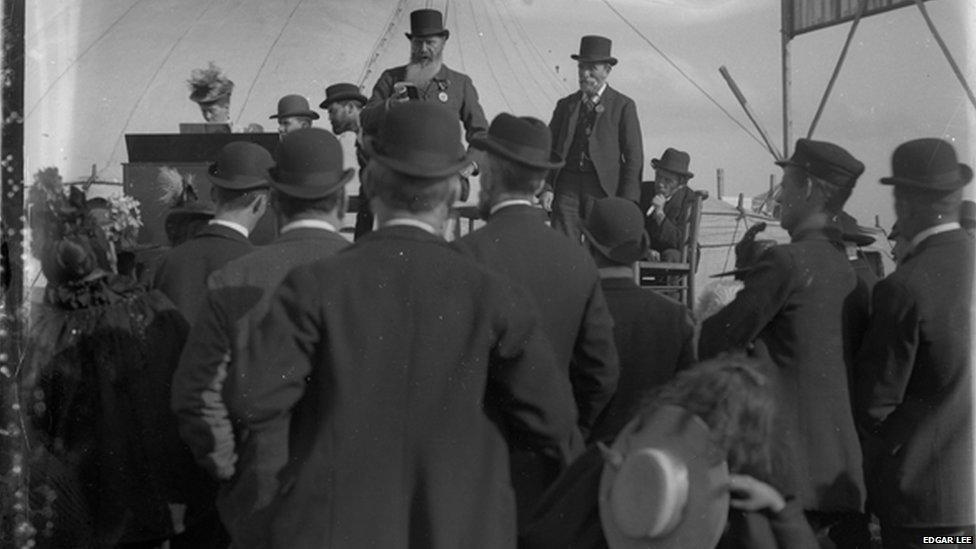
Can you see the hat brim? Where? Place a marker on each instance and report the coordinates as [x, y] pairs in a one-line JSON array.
[[656, 164], [411, 169], [343, 97], [239, 183], [624, 253], [310, 186], [428, 32], [686, 437], [949, 184], [310, 114], [501, 149], [610, 60]]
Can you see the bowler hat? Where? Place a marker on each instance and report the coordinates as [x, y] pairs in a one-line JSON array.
[[342, 92], [673, 161], [419, 139], [524, 140], [294, 105], [241, 166], [595, 49], [427, 23], [615, 227], [826, 161], [927, 164], [664, 484], [309, 165]]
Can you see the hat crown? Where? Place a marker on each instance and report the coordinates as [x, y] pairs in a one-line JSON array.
[[426, 22], [614, 221], [924, 158], [674, 161], [309, 150], [292, 104], [827, 161], [240, 160], [343, 88], [420, 139], [521, 131], [594, 47], [649, 493]]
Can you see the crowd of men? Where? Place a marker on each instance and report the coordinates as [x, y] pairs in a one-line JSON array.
[[407, 391]]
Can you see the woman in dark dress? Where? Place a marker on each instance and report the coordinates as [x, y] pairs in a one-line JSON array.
[[107, 466]]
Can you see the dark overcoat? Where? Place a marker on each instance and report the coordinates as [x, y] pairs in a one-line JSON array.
[[209, 386], [182, 273], [615, 143], [387, 360], [563, 282], [794, 301], [914, 386], [670, 234], [654, 336]]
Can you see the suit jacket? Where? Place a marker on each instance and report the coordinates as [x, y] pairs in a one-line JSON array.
[[182, 273], [387, 360], [655, 338], [914, 389], [615, 144], [209, 386], [794, 301], [670, 233], [517, 243]]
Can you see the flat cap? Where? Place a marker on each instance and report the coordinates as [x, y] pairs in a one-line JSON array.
[[826, 161]]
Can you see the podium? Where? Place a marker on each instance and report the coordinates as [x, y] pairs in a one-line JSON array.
[[189, 154]]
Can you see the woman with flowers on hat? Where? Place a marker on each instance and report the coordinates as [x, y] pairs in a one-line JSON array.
[[678, 472], [107, 466]]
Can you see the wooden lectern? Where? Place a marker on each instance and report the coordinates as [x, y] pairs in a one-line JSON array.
[[190, 154]]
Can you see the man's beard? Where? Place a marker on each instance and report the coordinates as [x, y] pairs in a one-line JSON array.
[[421, 71]]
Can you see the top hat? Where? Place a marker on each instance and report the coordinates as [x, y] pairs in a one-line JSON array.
[[595, 49], [427, 23], [664, 485], [615, 227], [927, 164], [241, 166], [851, 231], [309, 165], [342, 92], [674, 161], [967, 214], [294, 105], [419, 139], [524, 140], [209, 85], [826, 161]]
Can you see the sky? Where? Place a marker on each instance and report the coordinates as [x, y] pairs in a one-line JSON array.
[[97, 70]]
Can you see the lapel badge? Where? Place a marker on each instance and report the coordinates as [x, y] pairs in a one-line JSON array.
[[600, 108], [442, 96]]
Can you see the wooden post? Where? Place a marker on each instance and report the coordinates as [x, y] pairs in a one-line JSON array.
[[840, 63], [945, 51], [720, 182], [787, 25], [752, 117]]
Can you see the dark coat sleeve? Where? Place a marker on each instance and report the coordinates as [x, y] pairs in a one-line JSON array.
[[472, 115], [631, 154], [556, 129], [595, 368], [767, 287], [669, 233], [372, 114], [688, 355]]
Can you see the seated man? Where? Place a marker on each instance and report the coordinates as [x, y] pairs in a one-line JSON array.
[[666, 203]]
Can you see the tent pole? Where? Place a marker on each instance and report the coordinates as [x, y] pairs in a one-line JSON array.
[[945, 51], [752, 117], [840, 63], [787, 25]]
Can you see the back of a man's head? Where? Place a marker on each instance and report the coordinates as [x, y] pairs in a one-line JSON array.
[[293, 209], [512, 177], [404, 193]]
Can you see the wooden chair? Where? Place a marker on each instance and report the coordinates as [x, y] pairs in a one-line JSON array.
[[679, 277]]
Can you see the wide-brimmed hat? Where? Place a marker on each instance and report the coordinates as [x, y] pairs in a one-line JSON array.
[[826, 161], [851, 231], [595, 49], [927, 164], [241, 166], [294, 105], [419, 139], [615, 227], [209, 85], [309, 165], [674, 161], [427, 23], [524, 140], [664, 484], [342, 92]]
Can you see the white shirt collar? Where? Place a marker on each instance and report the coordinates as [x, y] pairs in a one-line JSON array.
[[405, 222], [934, 230], [599, 94], [507, 203], [308, 224], [231, 225]]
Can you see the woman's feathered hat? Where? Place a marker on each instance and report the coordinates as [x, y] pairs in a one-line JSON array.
[[209, 85]]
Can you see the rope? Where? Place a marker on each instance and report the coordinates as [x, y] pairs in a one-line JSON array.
[[527, 38], [548, 98], [82, 54], [391, 25], [683, 73], [491, 70], [264, 61], [517, 78]]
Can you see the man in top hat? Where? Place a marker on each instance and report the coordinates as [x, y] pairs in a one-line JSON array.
[[240, 192], [400, 366], [344, 102], [654, 334], [431, 81], [294, 114], [795, 304], [211, 89], [308, 195], [915, 391], [597, 132], [666, 203], [517, 243]]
